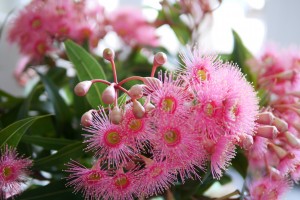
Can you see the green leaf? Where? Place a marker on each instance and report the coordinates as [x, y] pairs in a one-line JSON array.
[[240, 163], [56, 190], [61, 109], [25, 107], [240, 55], [12, 134], [87, 68], [8, 101], [63, 155], [46, 142]]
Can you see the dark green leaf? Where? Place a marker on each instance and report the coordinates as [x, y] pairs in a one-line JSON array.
[[46, 142], [12, 134], [25, 107], [61, 109], [62, 156], [240, 163], [8, 101], [241, 55], [87, 68], [53, 191]]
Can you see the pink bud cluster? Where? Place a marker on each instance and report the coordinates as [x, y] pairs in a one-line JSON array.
[[168, 130], [13, 172], [275, 154]]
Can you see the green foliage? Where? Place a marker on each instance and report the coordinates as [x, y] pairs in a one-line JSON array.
[[56, 190], [12, 134], [87, 68]]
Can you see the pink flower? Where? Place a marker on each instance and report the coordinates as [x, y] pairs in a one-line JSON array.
[[87, 180], [197, 67], [156, 177], [240, 105], [14, 169], [107, 139], [169, 99], [122, 185], [268, 188], [132, 27], [221, 153]]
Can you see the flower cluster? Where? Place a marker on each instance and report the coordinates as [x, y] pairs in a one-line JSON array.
[[274, 157], [42, 25], [13, 171], [168, 130]]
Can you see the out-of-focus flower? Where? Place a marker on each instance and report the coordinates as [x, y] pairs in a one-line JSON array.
[[131, 25]]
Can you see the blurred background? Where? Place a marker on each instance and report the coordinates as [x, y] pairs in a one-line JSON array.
[[256, 21]]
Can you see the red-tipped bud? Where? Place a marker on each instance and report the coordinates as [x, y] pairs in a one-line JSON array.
[[87, 117], [274, 173], [280, 152], [287, 75], [116, 115], [152, 82], [160, 58], [149, 107], [137, 109], [292, 139], [267, 131], [265, 118], [108, 54], [82, 88], [109, 95], [136, 91], [281, 125], [246, 141]]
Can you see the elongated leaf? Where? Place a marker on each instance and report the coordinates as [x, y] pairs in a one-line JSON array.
[[61, 109], [8, 101], [12, 134], [240, 163], [87, 68], [62, 156], [46, 142], [25, 107], [53, 191], [241, 55]]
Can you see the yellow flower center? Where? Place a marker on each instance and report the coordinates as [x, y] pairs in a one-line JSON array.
[[155, 171], [7, 172], [36, 23], [171, 137], [121, 181], [201, 74], [209, 109], [112, 138], [168, 104], [41, 48], [135, 124], [94, 176]]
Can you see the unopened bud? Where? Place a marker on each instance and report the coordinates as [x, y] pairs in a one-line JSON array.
[[287, 75], [280, 152], [152, 82], [246, 141], [82, 88], [108, 54], [109, 95], [275, 174], [292, 139], [86, 118], [116, 115], [136, 91], [281, 125], [265, 118], [137, 109], [149, 107], [267, 131], [160, 58]]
